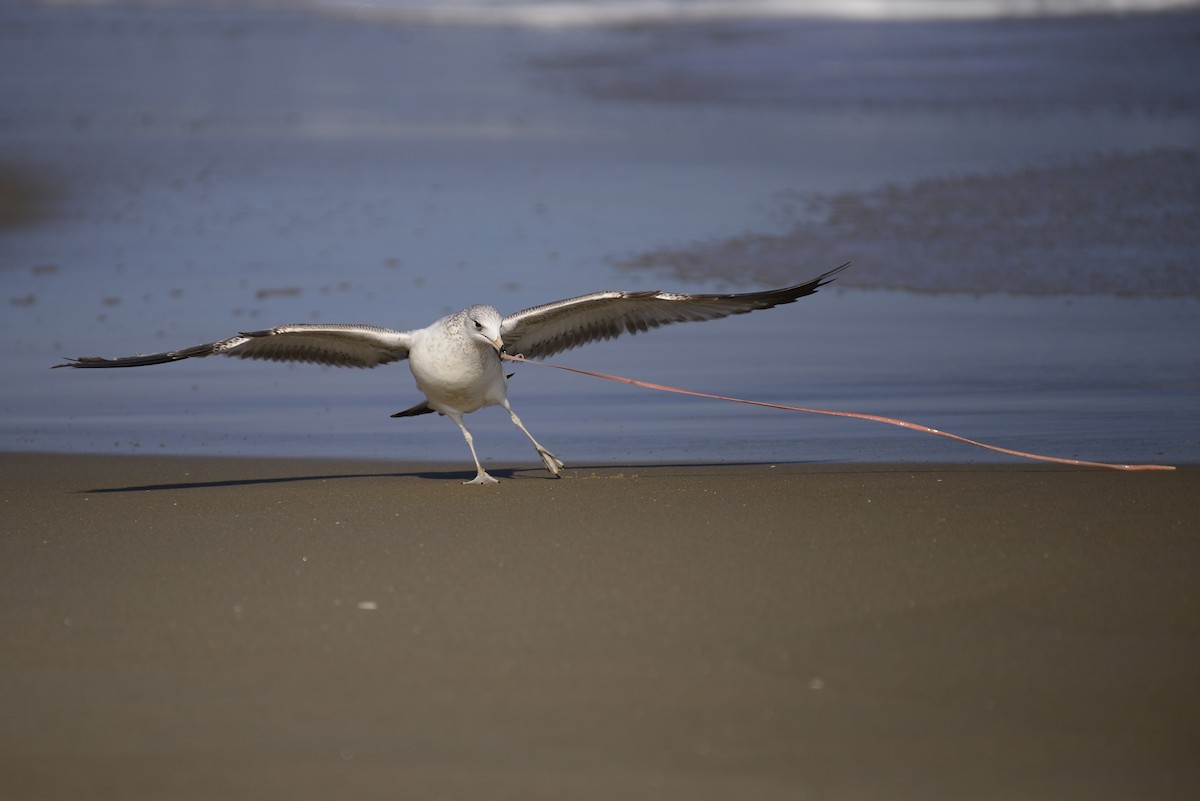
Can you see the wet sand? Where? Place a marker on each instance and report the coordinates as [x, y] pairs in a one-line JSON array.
[[181, 628]]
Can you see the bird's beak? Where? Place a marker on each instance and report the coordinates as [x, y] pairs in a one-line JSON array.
[[498, 344]]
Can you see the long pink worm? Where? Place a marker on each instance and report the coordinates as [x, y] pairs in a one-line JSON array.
[[875, 417]]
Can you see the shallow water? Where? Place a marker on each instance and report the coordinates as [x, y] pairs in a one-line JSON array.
[[175, 177], [1091, 378]]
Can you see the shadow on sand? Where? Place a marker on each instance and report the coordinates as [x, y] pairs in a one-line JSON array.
[[530, 473]]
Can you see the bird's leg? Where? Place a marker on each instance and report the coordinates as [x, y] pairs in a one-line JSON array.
[[481, 476], [552, 462]]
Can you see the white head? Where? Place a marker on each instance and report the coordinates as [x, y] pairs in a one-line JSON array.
[[483, 323]]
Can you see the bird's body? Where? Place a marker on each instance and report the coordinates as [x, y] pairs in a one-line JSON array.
[[456, 362], [451, 377]]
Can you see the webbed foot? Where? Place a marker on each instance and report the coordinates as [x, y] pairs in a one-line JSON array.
[[552, 462]]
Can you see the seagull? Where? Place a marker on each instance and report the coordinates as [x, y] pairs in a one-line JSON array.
[[456, 361]]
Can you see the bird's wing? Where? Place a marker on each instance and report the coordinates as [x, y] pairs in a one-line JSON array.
[[553, 327], [337, 345]]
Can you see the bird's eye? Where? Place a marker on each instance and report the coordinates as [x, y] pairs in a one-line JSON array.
[[478, 325]]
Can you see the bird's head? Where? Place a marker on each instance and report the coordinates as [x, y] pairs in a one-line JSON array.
[[483, 324]]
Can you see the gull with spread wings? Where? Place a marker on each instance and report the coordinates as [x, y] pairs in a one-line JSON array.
[[456, 360]]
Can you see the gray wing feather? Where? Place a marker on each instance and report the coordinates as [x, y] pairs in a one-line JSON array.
[[337, 345], [554, 327]]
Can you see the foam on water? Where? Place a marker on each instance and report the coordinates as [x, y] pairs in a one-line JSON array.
[[586, 13], [558, 13]]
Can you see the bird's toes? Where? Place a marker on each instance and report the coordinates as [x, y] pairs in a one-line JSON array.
[[552, 462], [482, 478]]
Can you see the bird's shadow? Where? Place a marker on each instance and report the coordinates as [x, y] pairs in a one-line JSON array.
[[446, 476]]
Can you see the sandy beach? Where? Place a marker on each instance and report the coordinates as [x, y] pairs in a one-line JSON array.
[[189, 628]]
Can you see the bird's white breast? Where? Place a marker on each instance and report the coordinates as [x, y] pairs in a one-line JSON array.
[[455, 370]]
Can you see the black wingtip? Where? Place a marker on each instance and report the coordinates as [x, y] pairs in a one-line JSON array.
[[824, 279], [421, 408]]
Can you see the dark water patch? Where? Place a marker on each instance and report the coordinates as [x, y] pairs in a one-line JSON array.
[[1128, 64], [278, 292], [24, 200], [1105, 225]]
